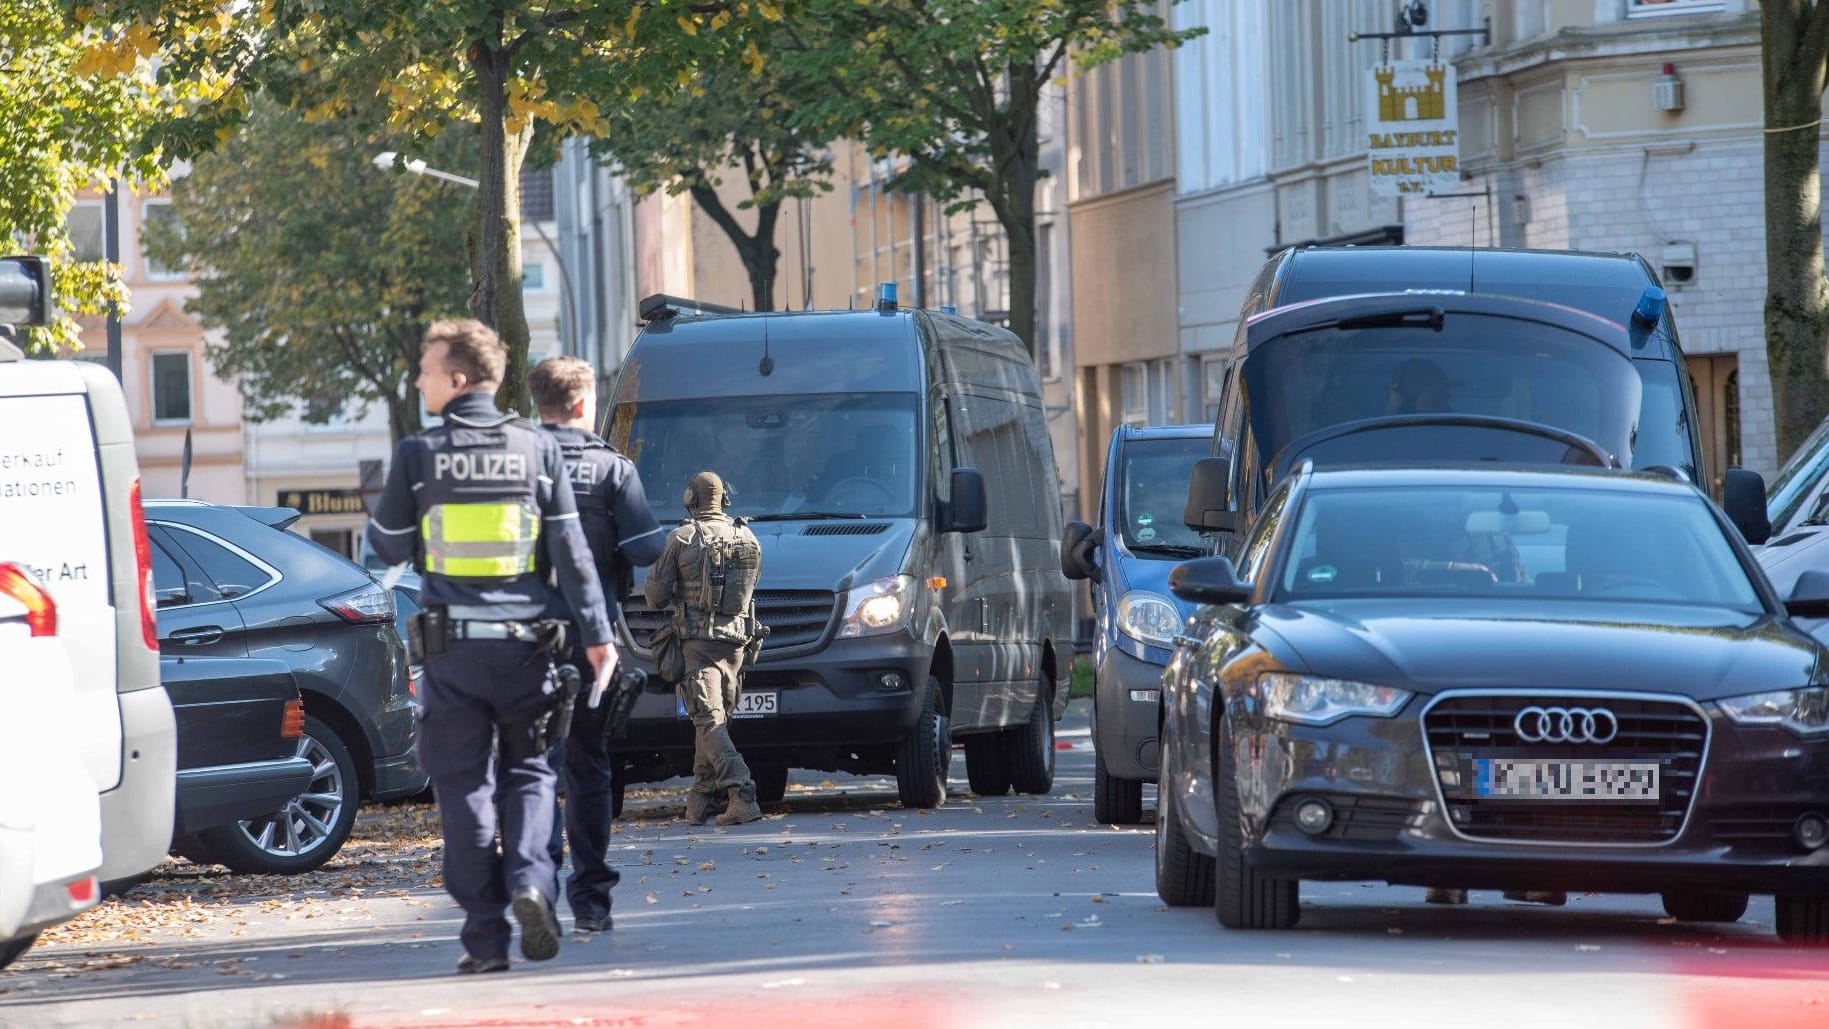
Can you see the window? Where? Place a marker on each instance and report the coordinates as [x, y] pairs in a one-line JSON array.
[[1133, 392], [1660, 8], [171, 388], [231, 574], [533, 277], [158, 215], [1162, 392], [537, 194], [1212, 386], [1047, 341], [340, 540], [167, 578], [85, 226], [1257, 544]]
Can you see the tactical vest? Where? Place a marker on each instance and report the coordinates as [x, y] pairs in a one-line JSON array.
[[719, 565], [479, 497]]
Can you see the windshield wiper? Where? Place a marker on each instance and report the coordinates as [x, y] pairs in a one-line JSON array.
[[794, 516], [1180, 549]]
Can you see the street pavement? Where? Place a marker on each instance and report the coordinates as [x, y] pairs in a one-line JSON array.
[[848, 911]]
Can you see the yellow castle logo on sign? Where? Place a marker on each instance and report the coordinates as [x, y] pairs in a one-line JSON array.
[[1412, 103]]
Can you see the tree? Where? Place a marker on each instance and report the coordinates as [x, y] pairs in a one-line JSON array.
[[67, 123], [506, 65], [738, 114], [956, 86], [1795, 37], [321, 274]]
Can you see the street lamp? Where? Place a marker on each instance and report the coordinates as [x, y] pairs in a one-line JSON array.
[[387, 159]]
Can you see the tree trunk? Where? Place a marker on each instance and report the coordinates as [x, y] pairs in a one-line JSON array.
[[761, 258], [499, 302], [1797, 301], [403, 414], [1016, 160]]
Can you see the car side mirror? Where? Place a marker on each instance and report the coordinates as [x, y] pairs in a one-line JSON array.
[[1809, 595], [1077, 549], [1210, 496], [1743, 497], [1208, 580], [969, 510]]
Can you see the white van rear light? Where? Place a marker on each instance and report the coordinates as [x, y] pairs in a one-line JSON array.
[[142, 557], [40, 610]]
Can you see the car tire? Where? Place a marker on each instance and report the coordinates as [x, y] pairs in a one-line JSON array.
[[986, 767], [1031, 748], [1243, 897], [922, 759], [1803, 920], [188, 847], [771, 783], [310, 829], [1704, 905], [1115, 801], [1184, 876], [10, 950]]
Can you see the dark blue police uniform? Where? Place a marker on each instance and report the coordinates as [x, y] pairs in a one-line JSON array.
[[475, 500], [621, 531]]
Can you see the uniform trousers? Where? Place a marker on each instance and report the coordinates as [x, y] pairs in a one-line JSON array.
[[709, 690]]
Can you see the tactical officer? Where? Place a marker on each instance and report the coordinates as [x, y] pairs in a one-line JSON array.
[[621, 531], [714, 638], [474, 500]]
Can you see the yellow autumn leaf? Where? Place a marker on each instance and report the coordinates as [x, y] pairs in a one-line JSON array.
[[628, 28], [752, 56], [773, 11], [142, 40], [687, 25], [684, 76], [721, 19]]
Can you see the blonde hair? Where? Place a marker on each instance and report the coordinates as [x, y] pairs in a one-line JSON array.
[[471, 348], [559, 382]]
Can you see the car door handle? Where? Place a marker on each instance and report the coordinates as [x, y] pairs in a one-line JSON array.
[[198, 636]]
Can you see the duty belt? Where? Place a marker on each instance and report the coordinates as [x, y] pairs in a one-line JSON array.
[[472, 630]]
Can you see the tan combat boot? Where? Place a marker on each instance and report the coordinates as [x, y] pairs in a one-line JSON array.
[[741, 808], [698, 808]]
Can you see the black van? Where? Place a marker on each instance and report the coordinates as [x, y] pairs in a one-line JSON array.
[[1381, 309], [896, 466]]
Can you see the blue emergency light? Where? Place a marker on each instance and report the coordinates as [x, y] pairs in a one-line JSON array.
[[1650, 307], [885, 296]]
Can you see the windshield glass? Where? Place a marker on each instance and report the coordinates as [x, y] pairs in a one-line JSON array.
[[1477, 364], [845, 454], [1564, 543], [1795, 481], [1663, 424], [1152, 491]]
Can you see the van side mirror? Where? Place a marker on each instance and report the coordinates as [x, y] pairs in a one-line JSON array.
[[1208, 580], [1809, 595], [969, 510], [1210, 496], [1743, 497], [1077, 549]]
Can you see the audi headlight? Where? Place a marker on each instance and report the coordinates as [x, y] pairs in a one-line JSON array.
[[1148, 618], [1313, 700], [877, 607], [1801, 711]]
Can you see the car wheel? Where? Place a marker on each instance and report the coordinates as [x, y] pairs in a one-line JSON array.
[[1803, 919], [10, 950], [1031, 748], [1115, 801], [771, 783], [312, 826], [1704, 905], [986, 767], [1243, 897], [1184, 876], [921, 761], [187, 846]]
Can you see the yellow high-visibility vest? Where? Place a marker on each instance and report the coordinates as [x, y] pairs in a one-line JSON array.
[[480, 541]]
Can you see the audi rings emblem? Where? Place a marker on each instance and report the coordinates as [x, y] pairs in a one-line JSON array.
[[1566, 725]]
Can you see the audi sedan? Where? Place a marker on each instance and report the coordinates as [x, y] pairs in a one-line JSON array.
[[1495, 678]]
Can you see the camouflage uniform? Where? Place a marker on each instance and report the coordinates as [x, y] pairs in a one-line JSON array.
[[714, 645]]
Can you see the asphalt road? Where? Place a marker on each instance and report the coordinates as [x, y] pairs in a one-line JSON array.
[[848, 911]]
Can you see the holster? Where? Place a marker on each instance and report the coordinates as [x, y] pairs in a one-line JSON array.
[[556, 723], [427, 634]]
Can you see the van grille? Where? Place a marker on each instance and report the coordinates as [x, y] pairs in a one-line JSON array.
[[797, 620]]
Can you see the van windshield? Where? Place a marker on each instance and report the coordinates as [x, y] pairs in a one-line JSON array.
[[1663, 424], [1476, 364], [819, 455], [1152, 491]]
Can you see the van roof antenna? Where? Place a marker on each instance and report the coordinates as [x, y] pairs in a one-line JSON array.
[[767, 364], [1473, 226]]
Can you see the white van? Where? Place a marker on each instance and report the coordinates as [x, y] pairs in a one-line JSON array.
[[50, 814], [70, 513]]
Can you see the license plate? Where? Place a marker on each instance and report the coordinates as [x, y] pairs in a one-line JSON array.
[[755, 705], [1566, 780]]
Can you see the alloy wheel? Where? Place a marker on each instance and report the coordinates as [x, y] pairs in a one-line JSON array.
[[306, 821]]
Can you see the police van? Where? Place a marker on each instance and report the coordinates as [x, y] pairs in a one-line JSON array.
[[896, 467], [70, 515]]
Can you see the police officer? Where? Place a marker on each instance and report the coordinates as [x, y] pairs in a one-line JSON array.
[[714, 645], [474, 500], [621, 531]]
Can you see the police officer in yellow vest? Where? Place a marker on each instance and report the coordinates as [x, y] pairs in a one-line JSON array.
[[473, 500], [714, 636]]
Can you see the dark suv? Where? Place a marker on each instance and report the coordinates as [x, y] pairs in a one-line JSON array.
[[232, 583]]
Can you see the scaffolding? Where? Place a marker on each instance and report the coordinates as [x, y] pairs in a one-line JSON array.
[[936, 259]]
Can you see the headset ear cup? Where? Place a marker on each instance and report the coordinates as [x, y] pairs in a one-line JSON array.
[[691, 498]]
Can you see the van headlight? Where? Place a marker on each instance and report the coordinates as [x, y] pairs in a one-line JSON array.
[[880, 606], [1801, 711], [1148, 618], [1314, 700]]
